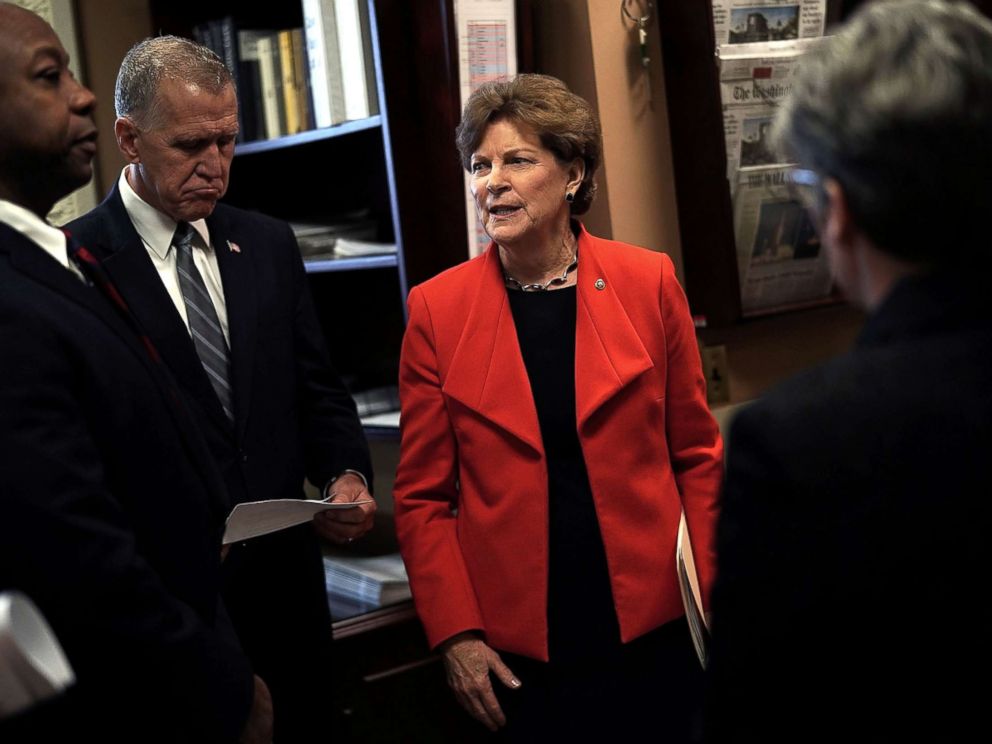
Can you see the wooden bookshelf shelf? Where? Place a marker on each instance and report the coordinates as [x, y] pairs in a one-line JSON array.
[[351, 263], [311, 135]]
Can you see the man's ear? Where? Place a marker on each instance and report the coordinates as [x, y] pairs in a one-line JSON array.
[[837, 224], [127, 135]]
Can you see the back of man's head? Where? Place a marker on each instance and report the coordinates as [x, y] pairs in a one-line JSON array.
[[897, 108]]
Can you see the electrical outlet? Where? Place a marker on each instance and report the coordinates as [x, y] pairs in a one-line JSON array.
[[717, 374]]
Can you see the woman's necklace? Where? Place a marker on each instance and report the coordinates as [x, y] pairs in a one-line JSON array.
[[552, 282]]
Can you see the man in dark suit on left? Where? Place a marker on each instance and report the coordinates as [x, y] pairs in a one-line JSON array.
[[223, 294], [111, 510]]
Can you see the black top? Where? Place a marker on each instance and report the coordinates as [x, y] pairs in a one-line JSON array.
[[582, 621]]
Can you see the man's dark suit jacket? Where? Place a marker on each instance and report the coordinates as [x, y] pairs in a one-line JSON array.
[[293, 418], [110, 518], [853, 549]]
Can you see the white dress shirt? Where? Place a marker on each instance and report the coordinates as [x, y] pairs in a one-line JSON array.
[[156, 230], [31, 226]]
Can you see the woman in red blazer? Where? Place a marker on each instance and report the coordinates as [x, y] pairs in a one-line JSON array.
[[554, 425]]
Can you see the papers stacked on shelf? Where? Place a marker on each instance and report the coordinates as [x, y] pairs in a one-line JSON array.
[[349, 247], [377, 400], [319, 238], [370, 582]]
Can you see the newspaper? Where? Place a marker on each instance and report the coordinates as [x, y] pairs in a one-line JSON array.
[[754, 80], [745, 21], [779, 257]]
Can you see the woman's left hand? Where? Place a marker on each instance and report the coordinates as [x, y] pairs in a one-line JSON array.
[[345, 525], [468, 662]]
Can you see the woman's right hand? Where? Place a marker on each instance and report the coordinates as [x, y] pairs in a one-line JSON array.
[[468, 661]]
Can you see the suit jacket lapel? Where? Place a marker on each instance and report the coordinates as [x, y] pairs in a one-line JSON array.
[[32, 261], [42, 268], [487, 372], [236, 259], [609, 354], [125, 259]]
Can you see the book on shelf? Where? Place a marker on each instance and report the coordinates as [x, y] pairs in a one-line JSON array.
[[290, 85], [376, 581], [270, 74], [323, 62], [301, 70], [250, 86], [353, 41]]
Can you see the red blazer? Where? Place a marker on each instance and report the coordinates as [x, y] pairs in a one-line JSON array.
[[471, 490]]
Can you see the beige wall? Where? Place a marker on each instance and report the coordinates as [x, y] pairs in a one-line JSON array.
[[107, 29], [762, 352], [589, 45]]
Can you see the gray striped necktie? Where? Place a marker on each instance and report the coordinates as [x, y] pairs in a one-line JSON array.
[[208, 338]]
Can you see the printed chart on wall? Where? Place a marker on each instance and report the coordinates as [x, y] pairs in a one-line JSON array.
[[487, 50], [760, 44], [59, 15]]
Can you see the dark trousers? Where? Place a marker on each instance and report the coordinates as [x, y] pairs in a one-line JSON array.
[[275, 593], [649, 690]]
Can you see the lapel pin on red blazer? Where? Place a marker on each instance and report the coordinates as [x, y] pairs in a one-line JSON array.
[[233, 247]]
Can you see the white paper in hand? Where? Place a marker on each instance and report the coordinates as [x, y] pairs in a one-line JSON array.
[[33, 666], [255, 518]]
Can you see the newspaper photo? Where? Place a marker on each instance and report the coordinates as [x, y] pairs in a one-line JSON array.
[[754, 80], [779, 257], [747, 21]]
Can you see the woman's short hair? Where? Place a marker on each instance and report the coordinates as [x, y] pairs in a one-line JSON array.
[[565, 123]]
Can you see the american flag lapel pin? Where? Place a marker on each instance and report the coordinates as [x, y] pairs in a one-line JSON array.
[[233, 247]]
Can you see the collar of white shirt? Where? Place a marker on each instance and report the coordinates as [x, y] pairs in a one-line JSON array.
[[35, 229], [154, 227]]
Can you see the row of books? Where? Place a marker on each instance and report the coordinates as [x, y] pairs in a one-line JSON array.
[[296, 79]]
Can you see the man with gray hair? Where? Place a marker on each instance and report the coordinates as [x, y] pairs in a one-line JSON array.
[[223, 294], [854, 534]]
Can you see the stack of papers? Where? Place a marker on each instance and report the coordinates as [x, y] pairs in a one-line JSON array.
[[348, 247], [371, 582]]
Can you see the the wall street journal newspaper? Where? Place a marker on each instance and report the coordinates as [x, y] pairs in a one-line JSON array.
[[779, 258]]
